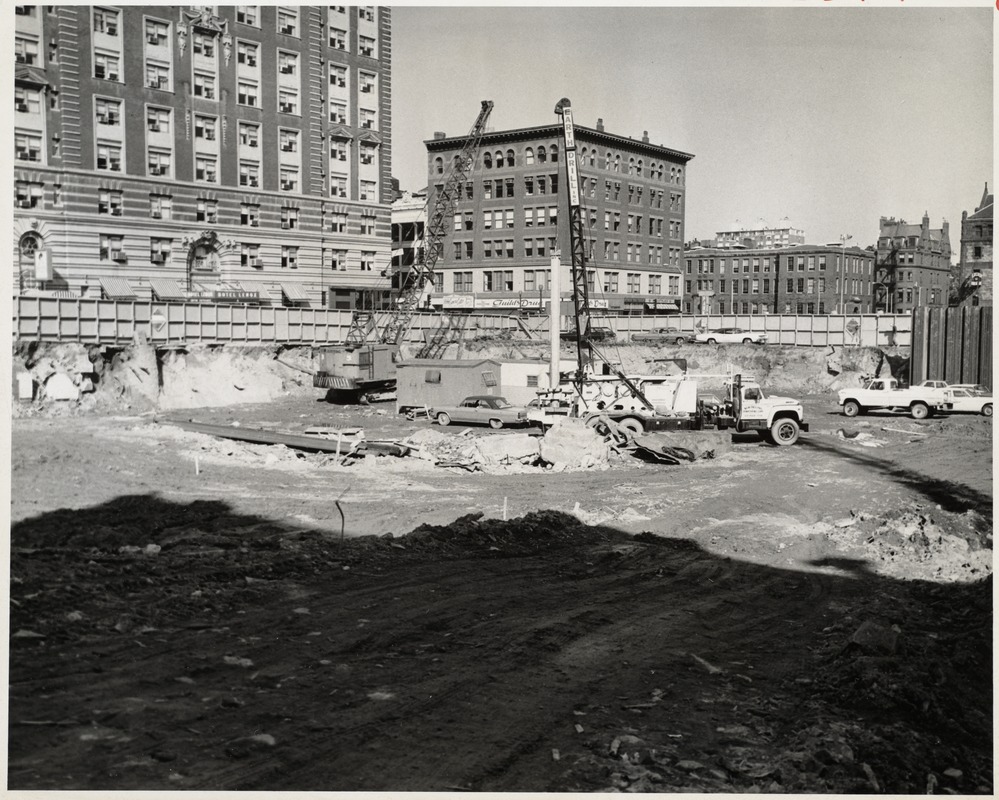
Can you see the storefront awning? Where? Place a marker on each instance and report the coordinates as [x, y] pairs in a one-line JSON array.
[[167, 290], [294, 293], [117, 289]]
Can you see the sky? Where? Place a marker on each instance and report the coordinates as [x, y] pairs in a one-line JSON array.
[[829, 114]]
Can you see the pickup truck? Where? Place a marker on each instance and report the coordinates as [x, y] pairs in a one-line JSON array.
[[921, 401]]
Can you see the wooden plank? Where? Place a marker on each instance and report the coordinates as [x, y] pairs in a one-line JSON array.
[[970, 346], [985, 348], [296, 441], [951, 366], [920, 345]]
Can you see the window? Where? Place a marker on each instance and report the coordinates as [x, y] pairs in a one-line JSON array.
[[106, 21], [368, 118], [287, 21], [287, 101], [108, 111], [367, 261], [366, 13], [368, 153], [289, 179], [247, 93], [158, 161], [338, 222], [249, 173], [338, 149], [338, 260], [249, 255], [157, 75], [29, 195], [463, 281], [288, 140], [27, 101], [366, 83], [205, 169], [287, 63], [157, 33], [289, 257], [204, 85], [160, 250], [338, 186], [368, 191], [366, 46], [289, 218], [246, 53], [248, 15], [111, 247], [206, 210], [160, 206], [249, 214], [542, 154], [108, 156], [204, 128], [109, 202], [367, 225], [610, 282], [203, 44], [634, 283], [249, 134], [338, 39], [338, 76], [158, 120], [106, 66], [338, 113]]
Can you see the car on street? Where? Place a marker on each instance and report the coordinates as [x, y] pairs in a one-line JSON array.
[[974, 388], [731, 336], [481, 409], [597, 334], [661, 335], [966, 401]]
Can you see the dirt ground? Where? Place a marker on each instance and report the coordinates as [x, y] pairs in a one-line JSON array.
[[190, 612]]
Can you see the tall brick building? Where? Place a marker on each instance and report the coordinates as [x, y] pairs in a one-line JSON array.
[[505, 226], [913, 265], [237, 153], [973, 273]]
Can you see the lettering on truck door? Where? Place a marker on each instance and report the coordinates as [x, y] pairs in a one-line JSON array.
[[751, 406]]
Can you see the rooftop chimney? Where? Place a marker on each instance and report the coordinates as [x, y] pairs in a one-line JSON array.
[[440, 135], [600, 123], [645, 136]]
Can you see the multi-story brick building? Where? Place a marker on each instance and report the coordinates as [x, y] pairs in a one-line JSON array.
[[913, 265], [972, 280], [802, 279], [781, 235], [230, 152], [506, 224]]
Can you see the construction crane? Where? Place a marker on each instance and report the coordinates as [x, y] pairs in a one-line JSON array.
[[365, 363]]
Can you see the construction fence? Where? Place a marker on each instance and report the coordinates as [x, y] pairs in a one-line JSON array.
[[97, 321], [952, 344]]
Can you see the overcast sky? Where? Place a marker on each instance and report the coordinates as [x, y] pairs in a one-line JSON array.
[[831, 115]]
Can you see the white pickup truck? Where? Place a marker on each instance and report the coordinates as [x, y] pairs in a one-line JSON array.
[[921, 401]]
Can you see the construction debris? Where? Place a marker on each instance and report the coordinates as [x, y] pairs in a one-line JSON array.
[[677, 447], [571, 444]]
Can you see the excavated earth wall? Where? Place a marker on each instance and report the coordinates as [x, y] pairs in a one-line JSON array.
[[74, 378]]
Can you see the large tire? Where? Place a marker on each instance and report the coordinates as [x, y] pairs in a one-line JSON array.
[[987, 410], [679, 340], [633, 425], [712, 341], [851, 408], [919, 410], [495, 424], [784, 431], [443, 419]]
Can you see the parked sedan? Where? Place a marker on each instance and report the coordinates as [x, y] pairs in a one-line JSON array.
[[974, 388], [481, 409], [731, 336], [660, 335], [597, 334], [971, 402]]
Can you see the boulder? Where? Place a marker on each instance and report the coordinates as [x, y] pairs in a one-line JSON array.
[[571, 444]]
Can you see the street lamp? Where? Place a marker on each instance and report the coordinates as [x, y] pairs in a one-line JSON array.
[[843, 239]]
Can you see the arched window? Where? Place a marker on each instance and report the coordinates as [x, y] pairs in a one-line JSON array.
[[583, 153], [510, 160], [593, 157], [617, 163], [554, 149], [499, 158], [672, 174], [639, 168], [542, 154], [455, 161], [529, 155], [679, 175], [27, 248], [631, 166], [487, 160], [609, 161], [660, 173], [439, 165]]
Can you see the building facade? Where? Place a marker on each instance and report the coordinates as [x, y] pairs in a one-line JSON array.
[[802, 279], [506, 223], [762, 236], [913, 265], [408, 220], [972, 281], [238, 153]]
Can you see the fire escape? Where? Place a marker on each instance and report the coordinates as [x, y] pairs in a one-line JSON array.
[[885, 281]]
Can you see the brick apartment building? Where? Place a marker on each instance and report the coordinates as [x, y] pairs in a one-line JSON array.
[[801, 279], [972, 284], [238, 153], [506, 224], [913, 265]]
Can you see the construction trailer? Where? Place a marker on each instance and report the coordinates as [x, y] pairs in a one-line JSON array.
[[430, 382]]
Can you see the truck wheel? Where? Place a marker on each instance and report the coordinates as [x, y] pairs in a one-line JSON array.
[[496, 424], [919, 410], [784, 431], [634, 425], [443, 419], [987, 410], [851, 408]]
